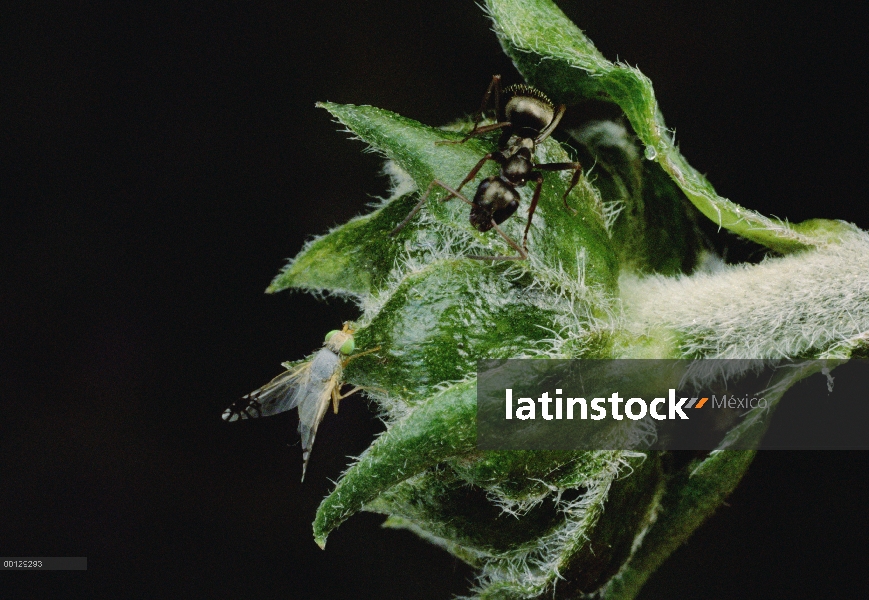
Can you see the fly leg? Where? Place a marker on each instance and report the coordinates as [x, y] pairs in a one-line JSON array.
[[337, 396], [349, 358]]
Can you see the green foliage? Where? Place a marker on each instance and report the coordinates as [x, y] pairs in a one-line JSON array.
[[552, 53], [601, 521]]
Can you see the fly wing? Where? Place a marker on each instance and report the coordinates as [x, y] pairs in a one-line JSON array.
[[308, 386], [280, 394], [312, 409]]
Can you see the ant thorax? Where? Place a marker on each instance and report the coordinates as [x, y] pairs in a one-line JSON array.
[[518, 166], [516, 143]]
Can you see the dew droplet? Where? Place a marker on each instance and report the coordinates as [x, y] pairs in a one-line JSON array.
[[651, 153]]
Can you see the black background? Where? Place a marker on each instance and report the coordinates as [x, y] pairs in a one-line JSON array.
[[160, 161]]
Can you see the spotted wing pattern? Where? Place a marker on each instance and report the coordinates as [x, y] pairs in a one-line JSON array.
[[308, 386], [280, 394]]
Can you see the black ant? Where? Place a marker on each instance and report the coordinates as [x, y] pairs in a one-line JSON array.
[[528, 118]]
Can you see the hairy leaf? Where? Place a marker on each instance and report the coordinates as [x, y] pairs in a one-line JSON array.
[[554, 54]]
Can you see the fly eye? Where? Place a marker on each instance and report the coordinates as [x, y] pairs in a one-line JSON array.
[[330, 334], [348, 347]]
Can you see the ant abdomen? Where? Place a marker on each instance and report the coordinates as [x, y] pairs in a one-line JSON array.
[[528, 110]]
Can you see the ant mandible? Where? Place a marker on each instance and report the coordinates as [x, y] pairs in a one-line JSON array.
[[528, 118]]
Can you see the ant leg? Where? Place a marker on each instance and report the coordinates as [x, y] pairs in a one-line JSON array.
[[559, 112], [422, 200], [454, 194], [414, 210], [534, 200], [497, 157], [496, 82], [474, 132], [494, 86], [577, 172], [522, 254]]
